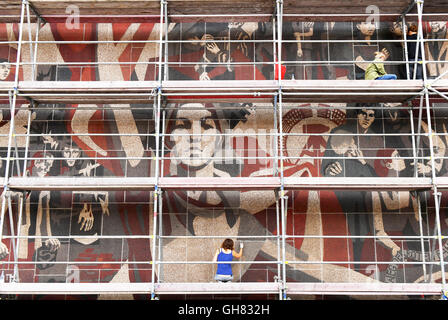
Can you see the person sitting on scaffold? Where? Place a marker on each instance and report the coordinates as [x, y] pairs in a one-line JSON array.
[[225, 254], [376, 70]]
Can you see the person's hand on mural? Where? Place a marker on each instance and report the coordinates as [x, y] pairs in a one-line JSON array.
[[48, 139], [243, 45], [395, 249], [379, 225], [355, 152], [104, 203], [423, 168], [86, 218], [334, 169], [53, 244], [87, 171], [211, 46], [204, 76], [4, 252], [308, 32]]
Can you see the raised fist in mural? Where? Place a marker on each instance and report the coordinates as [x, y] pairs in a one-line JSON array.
[[4, 252], [52, 244], [86, 218]]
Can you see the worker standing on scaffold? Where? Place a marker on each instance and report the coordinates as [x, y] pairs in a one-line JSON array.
[[224, 254]]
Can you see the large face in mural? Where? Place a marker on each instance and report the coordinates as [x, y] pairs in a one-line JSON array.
[[195, 137], [366, 117], [438, 27], [366, 28], [71, 154], [44, 165], [4, 70]]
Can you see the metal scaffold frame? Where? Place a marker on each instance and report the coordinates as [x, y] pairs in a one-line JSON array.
[[277, 96]]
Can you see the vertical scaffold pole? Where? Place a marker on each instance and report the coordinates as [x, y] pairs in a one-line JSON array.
[[157, 158], [420, 4], [30, 39], [405, 44], [280, 119], [3, 210], [13, 237], [165, 69], [27, 142], [38, 26], [13, 102], [160, 253], [14, 98], [19, 223], [417, 194]]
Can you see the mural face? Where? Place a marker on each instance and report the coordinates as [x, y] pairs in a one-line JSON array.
[[222, 140], [4, 70], [193, 135]]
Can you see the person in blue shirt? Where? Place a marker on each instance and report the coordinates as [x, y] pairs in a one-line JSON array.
[[226, 254]]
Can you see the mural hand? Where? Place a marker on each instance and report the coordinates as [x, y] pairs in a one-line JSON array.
[[53, 244], [213, 47], [86, 171], [86, 218], [334, 169], [204, 77], [423, 169], [309, 25], [393, 115], [395, 250]]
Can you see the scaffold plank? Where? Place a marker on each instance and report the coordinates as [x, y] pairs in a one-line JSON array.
[[82, 184], [218, 183], [215, 288], [88, 92], [142, 288], [78, 92], [378, 289], [358, 183], [102, 11], [144, 7], [76, 288], [364, 288], [196, 288], [346, 91]]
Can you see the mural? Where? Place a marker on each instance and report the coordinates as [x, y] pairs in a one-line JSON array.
[[68, 141]]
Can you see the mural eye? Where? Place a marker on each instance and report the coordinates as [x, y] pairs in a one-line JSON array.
[[207, 123], [182, 124]]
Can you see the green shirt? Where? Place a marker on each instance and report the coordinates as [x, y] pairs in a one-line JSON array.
[[375, 70]]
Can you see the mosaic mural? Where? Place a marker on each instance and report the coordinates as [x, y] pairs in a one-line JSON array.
[[58, 133]]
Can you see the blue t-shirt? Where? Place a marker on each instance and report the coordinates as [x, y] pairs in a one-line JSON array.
[[224, 268]]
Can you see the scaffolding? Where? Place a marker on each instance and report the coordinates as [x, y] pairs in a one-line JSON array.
[[275, 93]]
